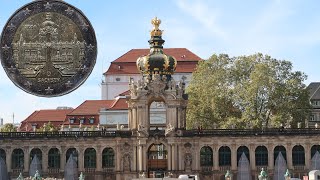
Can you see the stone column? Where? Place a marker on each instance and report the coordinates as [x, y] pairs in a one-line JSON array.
[[307, 155], [233, 157], [130, 124], [63, 159], [134, 118], [289, 156], [197, 156], [81, 159], [134, 159], [146, 116], [99, 159], [252, 157], [270, 158], [118, 169], [118, 157], [174, 157], [140, 157], [9, 159], [215, 157], [26, 159], [177, 156], [169, 157], [181, 159], [45, 160]]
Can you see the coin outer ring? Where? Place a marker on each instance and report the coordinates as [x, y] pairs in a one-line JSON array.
[[63, 8]]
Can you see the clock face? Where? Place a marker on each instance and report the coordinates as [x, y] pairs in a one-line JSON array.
[[48, 48]]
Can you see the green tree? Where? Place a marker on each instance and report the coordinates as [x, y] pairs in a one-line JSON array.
[[8, 127], [246, 91]]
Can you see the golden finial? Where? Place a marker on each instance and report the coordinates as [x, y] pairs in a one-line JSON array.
[[156, 31]]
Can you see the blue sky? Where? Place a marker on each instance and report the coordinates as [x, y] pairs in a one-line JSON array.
[[284, 29]]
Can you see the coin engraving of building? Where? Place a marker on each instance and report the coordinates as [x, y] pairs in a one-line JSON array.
[[146, 151], [45, 51], [48, 48]]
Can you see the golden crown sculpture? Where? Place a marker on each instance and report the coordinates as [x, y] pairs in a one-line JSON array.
[[156, 31]]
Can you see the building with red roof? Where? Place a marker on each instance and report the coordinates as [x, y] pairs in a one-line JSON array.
[[123, 68], [40, 117], [86, 115]]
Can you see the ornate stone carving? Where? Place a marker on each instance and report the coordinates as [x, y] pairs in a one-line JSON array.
[[157, 86], [142, 130], [126, 152], [126, 160], [188, 161], [169, 130]]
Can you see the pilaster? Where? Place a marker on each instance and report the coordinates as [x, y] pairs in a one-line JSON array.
[[8, 158], [99, 159], [63, 159], [233, 157], [45, 159], [252, 156], [215, 158], [270, 157], [307, 155], [81, 159], [289, 156]]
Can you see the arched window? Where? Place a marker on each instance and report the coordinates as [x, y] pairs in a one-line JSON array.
[[206, 156], [108, 158], [36, 152], [276, 152], [224, 156], [74, 153], [298, 156], [314, 149], [240, 150], [54, 158], [17, 159], [90, 158], [3, 154], [261, 154]]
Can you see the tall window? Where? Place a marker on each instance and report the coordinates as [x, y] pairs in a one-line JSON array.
[[3, 154], [54, 158], [298, 156], [314, 149], [17, 159], [74, 153], [108, 158], [261, 153], [90, 158], [36, 152], [276, 152], [157, 151], [206, 156], [224, 156], [245, 150]]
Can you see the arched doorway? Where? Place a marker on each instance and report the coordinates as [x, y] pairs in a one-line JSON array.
[[157, 161]]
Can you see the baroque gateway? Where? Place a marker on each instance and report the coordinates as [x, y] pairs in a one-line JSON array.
[[145, 151]]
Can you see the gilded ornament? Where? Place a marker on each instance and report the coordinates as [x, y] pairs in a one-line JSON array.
[[175, 63], [166, 62], [156, 31], [146, 63]]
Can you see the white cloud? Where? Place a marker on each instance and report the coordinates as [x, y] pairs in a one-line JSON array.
[[205, 14]]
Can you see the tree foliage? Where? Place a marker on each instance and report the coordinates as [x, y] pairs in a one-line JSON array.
[[246, 91], [47, 128], [8, 127]]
